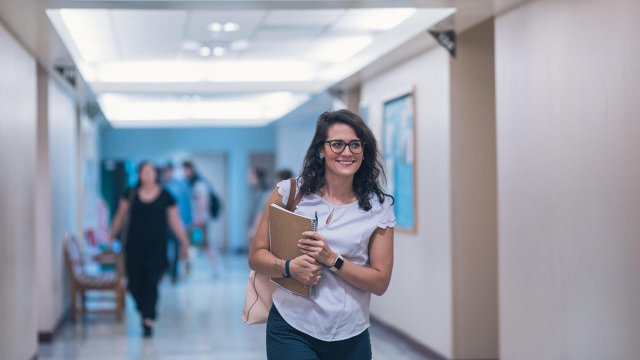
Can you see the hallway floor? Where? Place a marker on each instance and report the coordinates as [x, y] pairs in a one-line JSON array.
[[199, 318]]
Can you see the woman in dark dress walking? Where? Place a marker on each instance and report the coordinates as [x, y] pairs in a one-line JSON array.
[[151, 211]]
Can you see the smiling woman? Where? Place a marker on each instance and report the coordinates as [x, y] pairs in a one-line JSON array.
[[348, 257]]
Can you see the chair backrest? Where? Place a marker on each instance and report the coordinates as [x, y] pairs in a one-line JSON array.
[[73, 256]]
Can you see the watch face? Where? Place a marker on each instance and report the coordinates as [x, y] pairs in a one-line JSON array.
[[339, 263]]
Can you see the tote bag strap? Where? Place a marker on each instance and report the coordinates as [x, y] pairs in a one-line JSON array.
[[294, 199]]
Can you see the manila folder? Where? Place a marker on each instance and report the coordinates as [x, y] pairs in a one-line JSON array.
[[285, 229]]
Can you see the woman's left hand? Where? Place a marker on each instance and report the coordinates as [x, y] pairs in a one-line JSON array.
[[184, 251], [315, 245]]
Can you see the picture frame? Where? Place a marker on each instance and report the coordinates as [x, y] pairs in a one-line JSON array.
[[363, 110], [398, 144]]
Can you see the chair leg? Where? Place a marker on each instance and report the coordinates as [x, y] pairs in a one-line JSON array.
[[74, 295], [120, 304], [83, 304]]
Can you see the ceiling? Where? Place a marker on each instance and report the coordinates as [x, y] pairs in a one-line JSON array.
[[226, 63]]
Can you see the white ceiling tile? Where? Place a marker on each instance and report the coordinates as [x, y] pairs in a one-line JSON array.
[[269, 49], [149, 34], [285, 34], [302, 17]]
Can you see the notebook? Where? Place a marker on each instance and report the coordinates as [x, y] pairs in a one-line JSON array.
[[285, 229]]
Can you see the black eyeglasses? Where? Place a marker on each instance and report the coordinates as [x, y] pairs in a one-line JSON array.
[[338, 146]]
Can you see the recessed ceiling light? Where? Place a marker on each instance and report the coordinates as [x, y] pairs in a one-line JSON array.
[[231, 26], [205, 51], [215, 27], [219, 51]]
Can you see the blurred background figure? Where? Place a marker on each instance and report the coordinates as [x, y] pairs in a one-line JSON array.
[[259, 190], [284, 174], [199, 195], [147, 212], [179, 189]]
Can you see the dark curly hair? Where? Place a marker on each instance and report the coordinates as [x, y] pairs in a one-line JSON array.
[[366, 181]]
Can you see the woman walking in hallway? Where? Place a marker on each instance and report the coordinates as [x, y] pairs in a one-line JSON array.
[[350, 255], [149, 211]]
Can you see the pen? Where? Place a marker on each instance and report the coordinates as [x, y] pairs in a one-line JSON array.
[[313, 292], [315, 222]]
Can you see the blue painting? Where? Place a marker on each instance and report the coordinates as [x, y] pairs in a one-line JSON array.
[[364, 114], [398, 144]]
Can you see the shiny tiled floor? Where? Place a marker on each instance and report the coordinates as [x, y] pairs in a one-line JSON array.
[[199, 319]]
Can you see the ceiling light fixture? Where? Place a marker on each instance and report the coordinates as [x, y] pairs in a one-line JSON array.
[[199, 71], [219, 51], [92, 33], [231, 26], [374, 19], [215, 27], [205, 51], [246, 110]]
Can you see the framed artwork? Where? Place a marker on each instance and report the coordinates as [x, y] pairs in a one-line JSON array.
[[363, 109], [398, 149]]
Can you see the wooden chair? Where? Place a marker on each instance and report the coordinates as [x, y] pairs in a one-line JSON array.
[[82, 282]]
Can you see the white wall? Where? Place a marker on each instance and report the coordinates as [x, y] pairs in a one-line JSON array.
[[63, 157], [43, 217], [295, 131], [419, 301], [474, 196], [17, 198], [58, 188], [568, 85]]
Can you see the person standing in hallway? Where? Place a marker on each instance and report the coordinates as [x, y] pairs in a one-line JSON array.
[[180, 192], [350, 255], [259, 193], [284, 174], [149, 211], [199, 204]]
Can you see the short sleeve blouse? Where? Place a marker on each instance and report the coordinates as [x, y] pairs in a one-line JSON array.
[[338, 310]]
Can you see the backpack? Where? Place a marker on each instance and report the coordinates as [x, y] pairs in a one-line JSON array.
[[214, 205]]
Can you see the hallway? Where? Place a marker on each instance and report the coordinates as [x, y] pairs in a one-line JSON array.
[[507, 129], [199, 319]]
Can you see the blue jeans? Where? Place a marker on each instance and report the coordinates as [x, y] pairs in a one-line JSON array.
[[286, 343]]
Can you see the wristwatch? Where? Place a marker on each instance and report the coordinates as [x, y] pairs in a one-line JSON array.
[[337, 264]]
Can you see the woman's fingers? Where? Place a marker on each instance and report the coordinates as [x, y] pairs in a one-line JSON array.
[[306, 269]]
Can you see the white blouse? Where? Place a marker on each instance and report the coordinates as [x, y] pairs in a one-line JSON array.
[[337, 311]]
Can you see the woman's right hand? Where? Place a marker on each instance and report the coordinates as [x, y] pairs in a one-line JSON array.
[[305, 269]]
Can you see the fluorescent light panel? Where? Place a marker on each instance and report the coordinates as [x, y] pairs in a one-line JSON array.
[[374, 19], [198, 71], [92, 33], [245, 110]]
